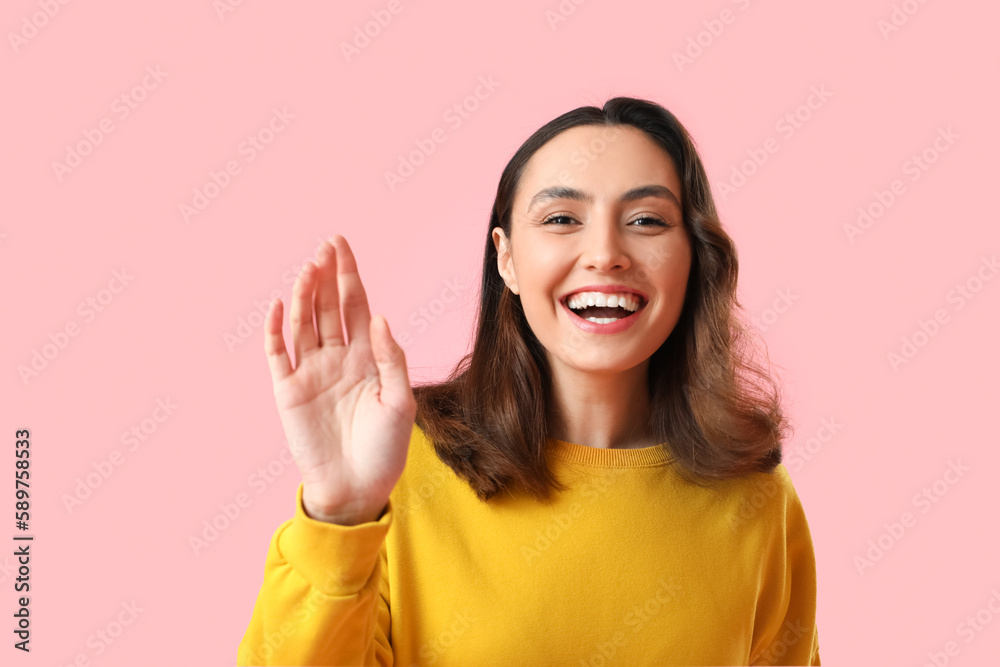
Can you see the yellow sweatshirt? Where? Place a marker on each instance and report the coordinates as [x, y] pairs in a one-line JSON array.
[[632, 566]]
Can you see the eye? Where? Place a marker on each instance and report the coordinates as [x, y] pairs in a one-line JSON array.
[[656, 222], [651, 221]]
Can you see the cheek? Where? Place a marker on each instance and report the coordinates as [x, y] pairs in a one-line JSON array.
[[677, 280], [674, 269], [541, 307], [537, 278]]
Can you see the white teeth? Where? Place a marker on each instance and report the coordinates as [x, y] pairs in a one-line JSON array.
[[624, 300], [602, 320]]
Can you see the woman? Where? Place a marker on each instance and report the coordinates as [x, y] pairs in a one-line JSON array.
[[597, 482]]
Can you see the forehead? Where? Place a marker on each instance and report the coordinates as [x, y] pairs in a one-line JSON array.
[[602, 160]]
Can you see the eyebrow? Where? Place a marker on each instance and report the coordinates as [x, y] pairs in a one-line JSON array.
[[565, 192]]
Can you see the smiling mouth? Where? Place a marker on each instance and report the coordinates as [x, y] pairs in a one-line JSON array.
[[603, 314]]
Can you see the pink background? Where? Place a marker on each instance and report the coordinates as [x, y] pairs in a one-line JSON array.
[[849, 301]]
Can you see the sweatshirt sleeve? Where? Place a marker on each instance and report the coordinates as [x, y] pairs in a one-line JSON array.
[[324, 598], [785, 631]]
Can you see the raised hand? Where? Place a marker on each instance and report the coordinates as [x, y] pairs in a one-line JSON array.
[[347, 407]]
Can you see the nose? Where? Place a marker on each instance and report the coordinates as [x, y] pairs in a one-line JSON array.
[[604, 249]]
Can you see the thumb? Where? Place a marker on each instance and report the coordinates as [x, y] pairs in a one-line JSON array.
[[395, 381]]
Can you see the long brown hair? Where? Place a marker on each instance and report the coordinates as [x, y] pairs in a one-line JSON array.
[[715, 408]]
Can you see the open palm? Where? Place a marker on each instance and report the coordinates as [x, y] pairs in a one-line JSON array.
[[347, 407]]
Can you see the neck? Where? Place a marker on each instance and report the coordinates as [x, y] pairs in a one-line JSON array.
[[607, 410]]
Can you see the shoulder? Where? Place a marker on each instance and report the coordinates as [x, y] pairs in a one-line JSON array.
[[776, 485], [767, 497]]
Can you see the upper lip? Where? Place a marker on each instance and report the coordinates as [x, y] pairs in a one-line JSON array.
[[607, 289]]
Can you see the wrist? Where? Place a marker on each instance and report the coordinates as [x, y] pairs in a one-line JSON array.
[[343, 516]]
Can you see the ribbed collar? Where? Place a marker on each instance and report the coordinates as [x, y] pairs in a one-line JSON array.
[[609, 458]]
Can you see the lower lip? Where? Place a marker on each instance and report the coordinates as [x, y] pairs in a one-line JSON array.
[[595, 327]]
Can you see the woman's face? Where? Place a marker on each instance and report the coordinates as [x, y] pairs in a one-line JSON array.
[[598, 207]]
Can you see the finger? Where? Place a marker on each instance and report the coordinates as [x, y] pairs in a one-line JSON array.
[[353, 300], [274, 343], [328, 299], [303, 335], [391, 361]]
